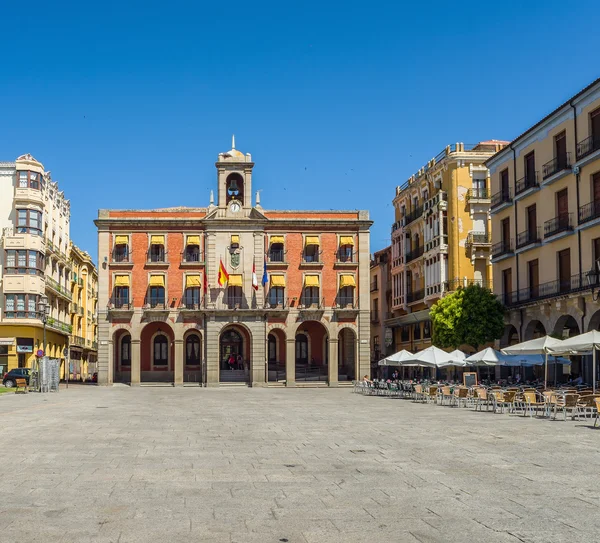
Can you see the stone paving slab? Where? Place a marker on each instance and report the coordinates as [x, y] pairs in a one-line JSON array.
[[239, 465]]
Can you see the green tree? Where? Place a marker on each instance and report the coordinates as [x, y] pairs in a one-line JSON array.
[[469, 316]]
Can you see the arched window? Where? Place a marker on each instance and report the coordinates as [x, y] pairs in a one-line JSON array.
[[192, 350], [235, 188], [161, 347], [126, 350], [272, 348]]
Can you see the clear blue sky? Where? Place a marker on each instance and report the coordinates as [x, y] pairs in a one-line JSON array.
[[129, 103]]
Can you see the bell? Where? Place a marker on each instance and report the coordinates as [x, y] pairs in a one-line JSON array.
[[233, 186]]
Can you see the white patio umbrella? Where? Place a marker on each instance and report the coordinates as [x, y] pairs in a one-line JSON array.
[[433, 357], [582, 344], [458, 360], [486, 357], [396, 359], [541, 345]]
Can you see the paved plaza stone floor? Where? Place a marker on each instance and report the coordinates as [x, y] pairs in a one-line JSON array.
[[242, 465]]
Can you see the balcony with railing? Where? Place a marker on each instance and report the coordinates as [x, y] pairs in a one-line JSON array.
[[120, 303], [156, 258], [55, 324], [121, 256], [415, 296], [588, 146], [311, 258], [526, 183], [477, 194], [561, 223], [502, 248], [191, 257], [556, 165], [589, 212], [374, 286], [440, 196], [155, 303], [478, 238], [77, 340], [543, 291], [311, 302], [414, 254], [276, 257], [276, 303], [345, 302], [191, 304], [455, 284], [531, 236], [416, 213], [345, 256], [501, 198], [58, 289]]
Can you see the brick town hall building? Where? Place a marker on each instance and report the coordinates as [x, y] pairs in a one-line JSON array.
[[164, 317]]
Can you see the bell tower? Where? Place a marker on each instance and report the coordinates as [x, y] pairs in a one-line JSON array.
[[234, 174]]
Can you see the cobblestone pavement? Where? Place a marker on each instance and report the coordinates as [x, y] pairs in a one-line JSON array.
[[241, 465]]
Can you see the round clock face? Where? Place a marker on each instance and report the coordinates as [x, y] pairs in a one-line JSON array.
[[234, 207]]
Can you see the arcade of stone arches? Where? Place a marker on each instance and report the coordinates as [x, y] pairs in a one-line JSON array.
[[158, 356]]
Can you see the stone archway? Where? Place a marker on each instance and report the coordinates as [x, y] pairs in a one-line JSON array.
[[193, 356], [235, 348], [347, 354], [157, 350], [566, 326], [510, 336], [276, 354], [594, 321], [534, 329], [311, 352]]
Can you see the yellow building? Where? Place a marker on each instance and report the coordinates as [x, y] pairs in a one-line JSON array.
[[381, 301], [34, 267], [83, 310], [546, 223], [441, 237]]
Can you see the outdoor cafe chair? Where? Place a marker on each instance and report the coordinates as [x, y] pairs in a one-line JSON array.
[[586, 405], [483, 398], [597, 400], [565, 403], [460, 396], [418, 393], [446, 394], [532, 402], [504, 399], [431, 394]]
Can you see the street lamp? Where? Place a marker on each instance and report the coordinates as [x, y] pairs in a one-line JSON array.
[[43, 309], [593, 276]]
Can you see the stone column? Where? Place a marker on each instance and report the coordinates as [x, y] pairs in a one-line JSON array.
[[290, 362], [333, 362], [178, 363], [136, 362], [258, 372], [213, 329], [111, 363]]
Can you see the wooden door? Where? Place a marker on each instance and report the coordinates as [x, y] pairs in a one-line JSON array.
[[506, 234], [530, 168], [534, 278], [507, 285], [562, 208], [560, 150], [532, 223], [504, 183], [564, 270]]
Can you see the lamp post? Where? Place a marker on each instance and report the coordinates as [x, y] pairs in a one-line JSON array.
[[43, 308], [593, 276]]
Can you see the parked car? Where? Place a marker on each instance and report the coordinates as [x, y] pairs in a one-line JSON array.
[[10, 378]]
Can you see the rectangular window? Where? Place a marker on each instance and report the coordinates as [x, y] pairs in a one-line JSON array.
[[23, 182], [346, 297], [11, 259], [504, 188], [234, 297], [121, 297], [20, 302], [157, 296], [157, 253], [121, 253], [417, 330], [276, 296], [310, 296], [192, 297], [29, 221]]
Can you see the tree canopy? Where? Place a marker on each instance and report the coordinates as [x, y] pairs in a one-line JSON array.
[[471, 315]]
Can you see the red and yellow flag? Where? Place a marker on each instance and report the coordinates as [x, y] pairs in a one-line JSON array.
[[223, 276]]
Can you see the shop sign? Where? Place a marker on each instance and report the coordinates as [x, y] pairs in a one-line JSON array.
[[7, 340], [24, 348]]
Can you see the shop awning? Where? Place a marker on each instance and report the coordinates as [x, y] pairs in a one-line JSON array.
[[157, 240], [346, 240], [311, 280], [312, 240], [121, 280], [192, 281], [278, 280], [157, 280], [193, 240], [277, 239], [347, 281], [121, 240], [234, 280]]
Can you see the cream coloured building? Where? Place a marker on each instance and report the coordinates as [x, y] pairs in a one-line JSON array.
[[546, 222], [34, 263], [441, 238]]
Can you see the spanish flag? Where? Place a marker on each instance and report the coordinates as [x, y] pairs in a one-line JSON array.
[[223, 276]]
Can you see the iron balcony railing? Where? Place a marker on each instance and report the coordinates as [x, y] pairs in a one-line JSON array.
[[589, 212], [550, 289], [155, 302], [276, 255], [374, 286], [531, 235], [312, 302], [77, 340], [314, 258], [415, 295], [192, 257], [502, 247], [478, 193], [56, 286], [120, 303], [526, 183], [343, 256], [478, 238], [235, 302], [121, 256], [345, 302], [413, 215], [557, 164], [276, 302], [562, 223], [191, 303], [156, 257], [415, 253], [502, 197], [588, 146], [58, 325]]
